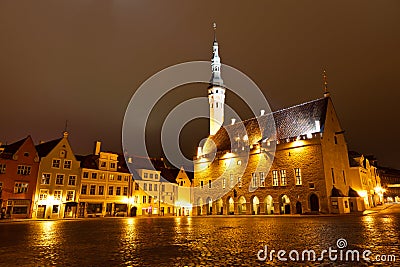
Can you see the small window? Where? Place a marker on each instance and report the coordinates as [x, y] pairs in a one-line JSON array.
[[2, 168], [311, 185], [43, 193], [55, 208], [150, 187], [94, 175], [101, 190], [57, 194], [60, 179], [119, 178], [156, 176], [67, 164], [239, 182], [111, 177], [84, 189], [72, 180], [126, 178], [335, 138], [85, 175], [118, 191], [231, 183], [125, 193], [283, 177], [163, 188], [110, 190], [26, 154], [254, 180], [151, 176], [144, 199], [136, 186], [223, 182], [112, 165], [70, 195], [262, 179], [201, 184], [92, 190], [20, 187], [155, 187], [146, 175], [297, 175], [45, 178], [103, 164], [275, 181]]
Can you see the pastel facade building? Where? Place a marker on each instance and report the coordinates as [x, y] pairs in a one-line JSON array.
[[19, 163], [106, 185], [58, 183]]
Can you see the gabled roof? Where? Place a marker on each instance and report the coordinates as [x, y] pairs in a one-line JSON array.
[[11, 149], [290, 122], [45, 148], [91, 162], [169, 174]]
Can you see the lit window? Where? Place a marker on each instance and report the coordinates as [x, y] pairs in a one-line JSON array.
[[92, 190], [60, 179], [125, 191], [275, 181], [111, 177], [262, 179], [72, 180], [24, 170], [20, 188], [55, 208], [57, 194], [110, 190], [231, 180], [84, 189], [223, 182], [283, 177], [101, 190], [240, 182], [297, 174], [45, 178], [254, 180], [2, 168], [43, 193], [239, 162], [56, 163], [102, 176], [70, 195], [67, 164]]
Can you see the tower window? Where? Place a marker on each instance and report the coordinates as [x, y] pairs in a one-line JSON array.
[[216, 104]]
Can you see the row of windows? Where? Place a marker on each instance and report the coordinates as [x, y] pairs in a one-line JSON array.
[[46, 179], [150, 175], [20, 187], [102, 176], [150, 187], [100, 190], [23, 170], [103, 164], [56, 163], [57, 195]]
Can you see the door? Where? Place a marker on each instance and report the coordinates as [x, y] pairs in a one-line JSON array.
[[314, 203], [41, 211], [299, 209]]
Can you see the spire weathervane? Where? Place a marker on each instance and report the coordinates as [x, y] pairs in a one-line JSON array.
[[215, 31]]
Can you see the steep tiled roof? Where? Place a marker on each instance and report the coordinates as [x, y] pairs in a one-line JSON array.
[[11, 149], [290, 122], [169, 174], [91, 162], [45, 148]]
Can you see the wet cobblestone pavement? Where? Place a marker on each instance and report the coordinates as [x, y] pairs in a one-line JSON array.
[[193, 241]]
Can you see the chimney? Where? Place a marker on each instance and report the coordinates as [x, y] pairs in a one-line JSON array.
[[130, 160], [97, 147], [233, 120], [262, 112]]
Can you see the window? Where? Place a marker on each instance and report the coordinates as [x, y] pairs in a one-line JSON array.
[[119, 178], [102, 176], [94, 175], [92, 190], [150, 199], [26, 154], [67, 164], [151, 176], [20, 187], [55, 208], [56, 163], [72, 180], [155, 187], [223, 182], [209, 183], [311, 185], [201, 184], [84, 189], [112, 165], [344, 177], [163, 188], [146, 175], [86, 175], [2, 168], [63, 153], [333, 176], [335, 139], [297, 176], [118, 191], [239, 162], [144, 199], [24, 170], [103, 164], [262, 179], [126, 178], [231, 180], [111, 190], [125, 191], [283, 177], [60, 179], [275, 181], [240, 182], [70, 195], [156, 176], [45, 178], [111, 177], [145, 186], [101, 190], [254, 179], [43, 193], [57, 194], [136, 186], [150, 187]]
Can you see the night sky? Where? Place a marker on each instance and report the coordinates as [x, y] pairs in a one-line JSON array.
[[82, 61]]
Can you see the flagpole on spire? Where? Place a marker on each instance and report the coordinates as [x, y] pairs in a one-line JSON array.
[[215, 31], [325, 79]]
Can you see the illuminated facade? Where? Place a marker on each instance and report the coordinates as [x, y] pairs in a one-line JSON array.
[[106, 185], [57, 188], [19, 163]]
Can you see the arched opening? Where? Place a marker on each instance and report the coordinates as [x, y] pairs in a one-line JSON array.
[[255, 206], [231, 206], [299, 208], [284, 204], [314, 203], [133, 211], [242, 205], [219, 206], [209, 205], [269, 205], [199, 206]]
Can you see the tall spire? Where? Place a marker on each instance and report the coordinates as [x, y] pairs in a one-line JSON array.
[[216, 62], [325, 79]]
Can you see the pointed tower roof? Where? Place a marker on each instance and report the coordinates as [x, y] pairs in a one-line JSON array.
[[215, 62]]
